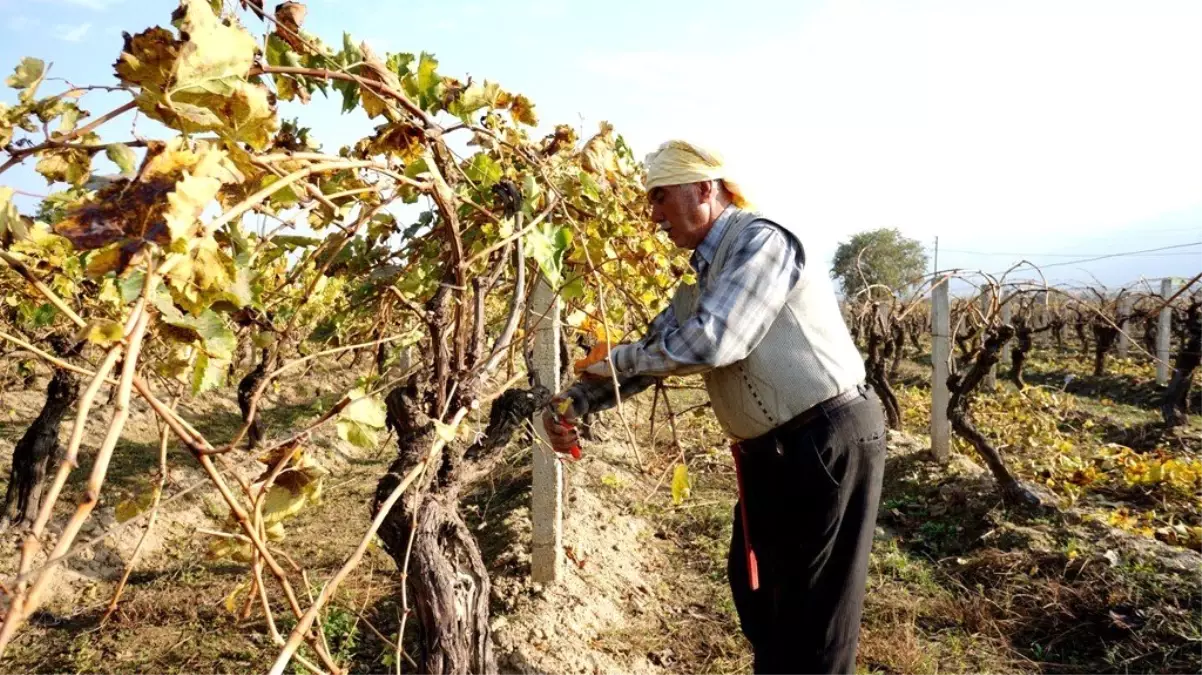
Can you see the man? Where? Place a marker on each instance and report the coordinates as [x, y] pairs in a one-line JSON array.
[[786, 381]]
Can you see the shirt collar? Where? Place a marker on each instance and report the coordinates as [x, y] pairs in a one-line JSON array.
[[704, 253]]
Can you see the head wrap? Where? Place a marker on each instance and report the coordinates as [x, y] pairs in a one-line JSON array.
[[678, 162]]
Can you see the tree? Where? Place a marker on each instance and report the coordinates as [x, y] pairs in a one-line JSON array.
[[884, 257]]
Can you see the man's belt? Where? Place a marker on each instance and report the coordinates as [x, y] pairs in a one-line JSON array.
[[824, 408]]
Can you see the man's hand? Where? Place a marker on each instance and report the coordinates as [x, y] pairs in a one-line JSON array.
[[559, 420]]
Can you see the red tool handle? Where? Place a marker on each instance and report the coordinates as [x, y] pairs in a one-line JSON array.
[[753, 568], [575, 449]]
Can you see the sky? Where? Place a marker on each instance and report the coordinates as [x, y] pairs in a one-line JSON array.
[[1051, 131]]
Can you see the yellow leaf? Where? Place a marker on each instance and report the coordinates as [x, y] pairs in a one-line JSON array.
[[446, 432], [104, 333], [133, 507], [681, 485], [231, 600]]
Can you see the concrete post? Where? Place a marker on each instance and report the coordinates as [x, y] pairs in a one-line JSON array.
[[940, 350], [1163, 334], [546, 500], [1124, 342]]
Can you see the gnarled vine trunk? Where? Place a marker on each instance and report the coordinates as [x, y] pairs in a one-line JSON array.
[[39, 445], [1175, 404], [961, 385], [1105, 336], [246, 389], [447, 581], [879, 349]]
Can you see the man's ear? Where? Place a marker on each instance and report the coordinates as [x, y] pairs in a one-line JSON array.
[[705, 191]]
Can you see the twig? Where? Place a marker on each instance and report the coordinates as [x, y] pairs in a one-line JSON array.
[[164, 436]]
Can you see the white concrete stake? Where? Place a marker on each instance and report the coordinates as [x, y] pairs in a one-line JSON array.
[[1125, 325], [1163, 334], [940, 350], [546, 500]]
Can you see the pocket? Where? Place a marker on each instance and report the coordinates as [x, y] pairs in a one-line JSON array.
[[823, 461]]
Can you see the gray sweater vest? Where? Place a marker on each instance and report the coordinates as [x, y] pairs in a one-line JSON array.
[[806, 357]]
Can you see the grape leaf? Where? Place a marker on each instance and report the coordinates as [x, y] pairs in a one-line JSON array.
[[104, 333], [136, 505], [199, 83], [369, 410], [483, 170], [208, 373], [177, 181], [121, 155], [26, 77], [546, 244], [357, 434], [65, 165]]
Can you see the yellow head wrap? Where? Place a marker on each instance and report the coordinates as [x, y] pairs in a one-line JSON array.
[[678, 162]]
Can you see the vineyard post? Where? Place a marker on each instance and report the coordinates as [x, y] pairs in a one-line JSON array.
[[1164, 334], [1124, 326], [986, 308], [546, 501], [940, 350]]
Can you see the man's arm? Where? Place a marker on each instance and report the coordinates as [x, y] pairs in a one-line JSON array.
[[733, 314], [593, 395]]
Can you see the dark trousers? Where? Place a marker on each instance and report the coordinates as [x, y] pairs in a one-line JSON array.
[[811, 501]]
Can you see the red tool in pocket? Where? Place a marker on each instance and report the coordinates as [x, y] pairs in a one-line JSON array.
[[753, 569]]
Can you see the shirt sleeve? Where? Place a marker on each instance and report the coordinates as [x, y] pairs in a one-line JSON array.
[[733, 315], [595, 395]]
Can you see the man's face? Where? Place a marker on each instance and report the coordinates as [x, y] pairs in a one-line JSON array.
[[683, 211]]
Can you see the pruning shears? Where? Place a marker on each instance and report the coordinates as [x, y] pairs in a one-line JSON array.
[[561, 410]]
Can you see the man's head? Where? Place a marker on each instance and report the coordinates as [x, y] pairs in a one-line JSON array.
[[688, 211], [688, 187]]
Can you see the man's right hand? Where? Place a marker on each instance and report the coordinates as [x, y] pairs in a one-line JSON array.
[[561, 427]]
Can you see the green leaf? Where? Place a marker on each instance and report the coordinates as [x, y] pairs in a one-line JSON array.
[[399, 63], [547, 244], [217, 339], [681, 485], [357, 434], [26, 77], [121, 155], [483, 170], [208, 373], [131, 286], [589, 187], [427, 77], [475, 97], [69, 118], [573, 289], [369, 410]]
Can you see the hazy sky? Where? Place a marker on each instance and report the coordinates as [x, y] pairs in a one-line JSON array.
[[1008, 129]]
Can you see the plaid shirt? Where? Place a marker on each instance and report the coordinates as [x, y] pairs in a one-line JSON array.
[[734, 313]]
